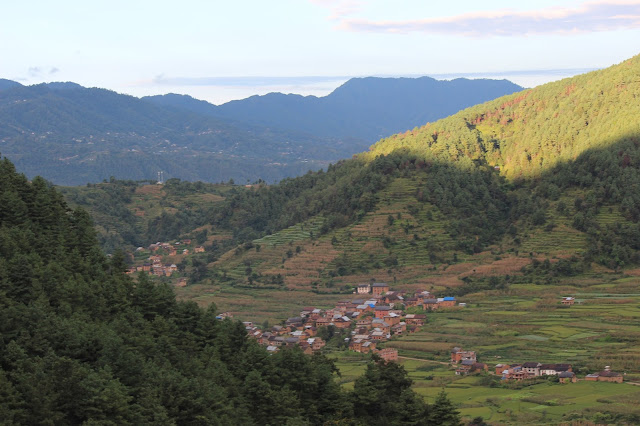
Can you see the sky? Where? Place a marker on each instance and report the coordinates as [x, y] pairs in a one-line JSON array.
[[220, 50]]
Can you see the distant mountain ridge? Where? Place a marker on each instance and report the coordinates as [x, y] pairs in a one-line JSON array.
[[73, 135], [362, 108]]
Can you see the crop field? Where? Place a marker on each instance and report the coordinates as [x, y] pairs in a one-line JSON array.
[[514, 328]]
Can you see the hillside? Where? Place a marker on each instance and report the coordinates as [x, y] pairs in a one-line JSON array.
[[508, 239], [364, 109], [447, 209], [530, 132], [82, 343], [74, 135], [452, 210]]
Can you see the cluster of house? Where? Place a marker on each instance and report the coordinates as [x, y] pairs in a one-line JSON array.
[[423, 299], [528, 370], [372, 320], [293, 333], [155, 266], [467, 363]]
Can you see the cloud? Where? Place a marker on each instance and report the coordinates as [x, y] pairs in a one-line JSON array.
[[35, 71], [243, 81], [340, 9], [588, 17]]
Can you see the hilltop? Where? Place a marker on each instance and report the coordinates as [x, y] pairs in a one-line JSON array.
[[363, 109], [72, 135]]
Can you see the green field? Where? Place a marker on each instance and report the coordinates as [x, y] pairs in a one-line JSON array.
[[602, 330]]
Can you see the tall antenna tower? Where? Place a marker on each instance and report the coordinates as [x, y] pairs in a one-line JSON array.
[[160, 177]]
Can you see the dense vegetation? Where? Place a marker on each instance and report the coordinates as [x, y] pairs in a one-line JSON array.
[[82, 343], [457, 199]]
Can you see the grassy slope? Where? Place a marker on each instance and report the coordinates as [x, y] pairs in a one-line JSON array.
[[532, 131]]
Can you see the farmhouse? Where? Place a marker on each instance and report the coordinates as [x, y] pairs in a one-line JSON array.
[[605, 376], [363, 289], [568, 301], [388, 354], [379, 289], [567, 377], [458, 355]]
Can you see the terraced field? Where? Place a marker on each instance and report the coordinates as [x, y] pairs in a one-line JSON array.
[[514, 326]]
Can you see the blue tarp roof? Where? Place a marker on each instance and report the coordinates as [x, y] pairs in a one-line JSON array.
[[450, 298]]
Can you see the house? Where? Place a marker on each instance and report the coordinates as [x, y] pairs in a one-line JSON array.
[[379, 289], [378, 335], [415, 319], [568, 301], [388, 354], [381, 311], [412, 302], [322, 322], [500, 368], [567, 377], [605, 376], [381, 325], [342, 322], [447, 302], [392, 319], [272, 349], [316, 343], [364, 322], [393, 297], [199, 249], [368, 346], [533, 368], [399, 328], [430, 304], [458, 355], [515, 373], [291, 341], [356, 345], [363, 289], [306, 348]]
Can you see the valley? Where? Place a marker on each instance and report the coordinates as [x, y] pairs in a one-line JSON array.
[[452, 208]]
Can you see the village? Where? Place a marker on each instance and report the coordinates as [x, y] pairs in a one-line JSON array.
[[373, 317], [379, 313], [155, 266]]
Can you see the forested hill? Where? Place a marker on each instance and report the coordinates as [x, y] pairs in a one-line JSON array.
[[83, 343], [446, 193], [73, 135], [365, 109], [545, 174], [528, 133]]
